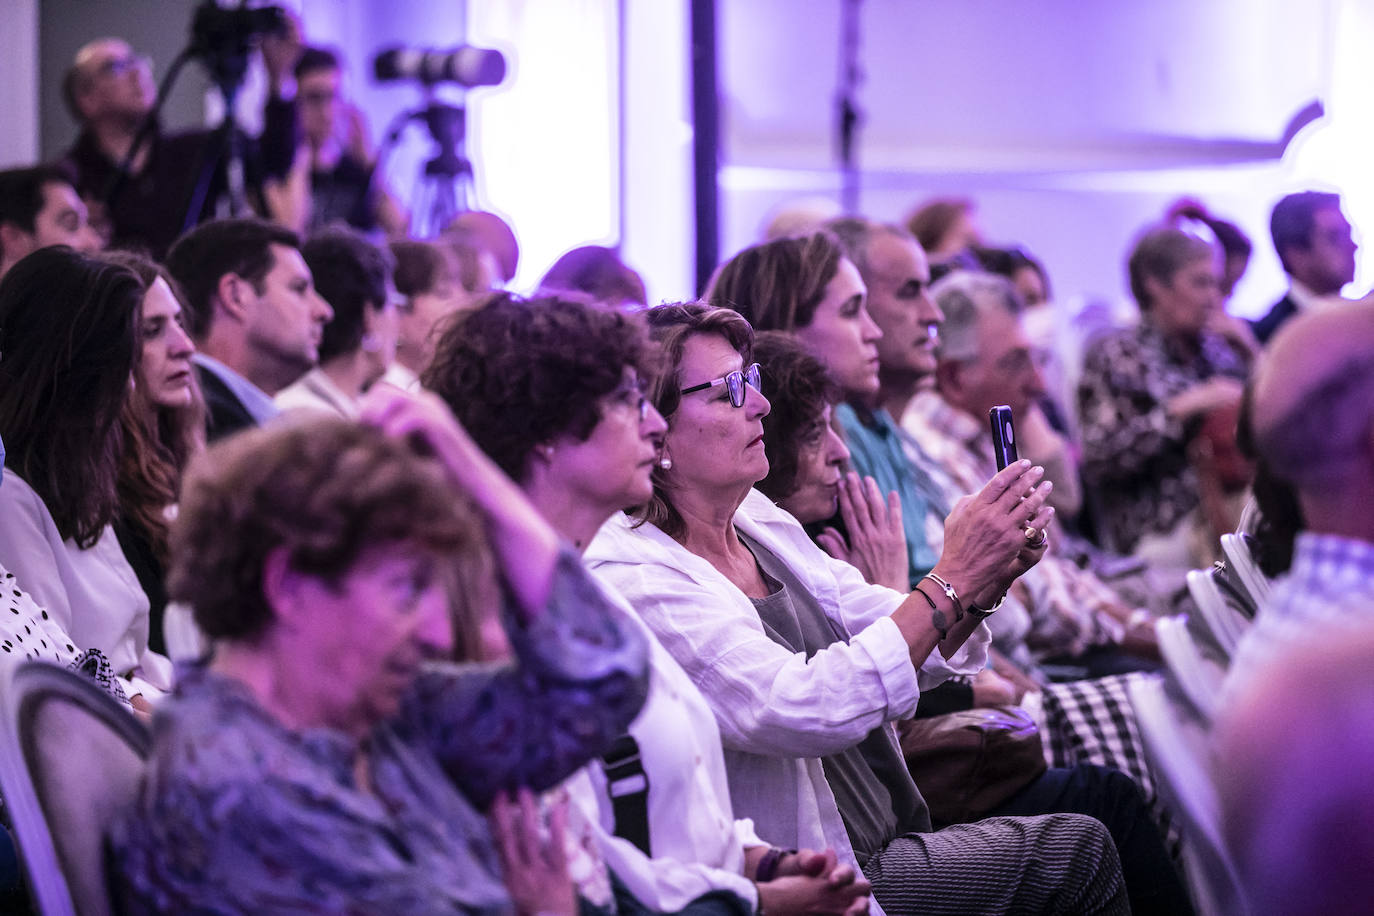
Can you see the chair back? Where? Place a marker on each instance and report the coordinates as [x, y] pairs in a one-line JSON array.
[[1176, 743], [1198, 675], [1248, 576], [71, 757], [1218, 605]]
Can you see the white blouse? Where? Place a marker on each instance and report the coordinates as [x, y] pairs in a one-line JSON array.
[[778, 712], [92, 595]]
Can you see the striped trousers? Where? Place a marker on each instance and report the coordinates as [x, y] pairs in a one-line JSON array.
[[1052, 863]]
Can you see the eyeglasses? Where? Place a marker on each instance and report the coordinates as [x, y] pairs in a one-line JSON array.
[[118, 66], [734, 383], [632, 395]]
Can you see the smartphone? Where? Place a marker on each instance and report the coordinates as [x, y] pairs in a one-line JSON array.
[[1003, 435]]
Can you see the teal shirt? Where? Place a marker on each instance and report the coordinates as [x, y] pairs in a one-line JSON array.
[[875, 450]]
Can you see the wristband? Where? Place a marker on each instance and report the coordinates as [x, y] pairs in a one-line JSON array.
[[983, 613], [768, 866]]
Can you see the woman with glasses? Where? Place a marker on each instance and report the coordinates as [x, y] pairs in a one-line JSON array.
[[806, 665], [553, 390]]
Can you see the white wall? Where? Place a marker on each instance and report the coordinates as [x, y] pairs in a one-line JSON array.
[[19, 82], [1070, 124]]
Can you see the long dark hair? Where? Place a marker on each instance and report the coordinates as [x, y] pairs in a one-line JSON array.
[[68, 349], [158, 441]]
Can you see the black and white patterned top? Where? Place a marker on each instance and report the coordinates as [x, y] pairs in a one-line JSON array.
[[1135, 454]]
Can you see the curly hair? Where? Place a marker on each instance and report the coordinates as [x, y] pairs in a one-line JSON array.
[[520, 372], [671, 326], [777, 286], [325, 490], [69, 335], [799, 388]]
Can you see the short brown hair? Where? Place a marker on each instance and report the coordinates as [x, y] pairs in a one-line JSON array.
[[324, 489], [777, 285], [1160, 253], [671, 326], [799, 388], [518, 373]]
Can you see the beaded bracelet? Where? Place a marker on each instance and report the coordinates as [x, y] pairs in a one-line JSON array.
[[768, 866]]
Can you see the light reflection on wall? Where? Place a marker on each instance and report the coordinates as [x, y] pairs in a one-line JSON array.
[[545, 143], [1336, 152]]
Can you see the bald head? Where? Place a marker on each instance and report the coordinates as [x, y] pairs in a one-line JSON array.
[[1312, 408], [107, 80], [1292, 768]]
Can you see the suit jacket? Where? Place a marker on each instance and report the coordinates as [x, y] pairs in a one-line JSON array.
[[224, 413], [1284, 309]]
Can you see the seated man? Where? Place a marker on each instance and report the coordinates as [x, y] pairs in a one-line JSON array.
[[1312, 421], [252, 309], [39, 207]]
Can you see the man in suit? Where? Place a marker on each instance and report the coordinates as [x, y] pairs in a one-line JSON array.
[[1313, 241], [252, 308]]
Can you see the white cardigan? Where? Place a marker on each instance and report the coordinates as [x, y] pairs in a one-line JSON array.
[[92, 594], [778, 712]]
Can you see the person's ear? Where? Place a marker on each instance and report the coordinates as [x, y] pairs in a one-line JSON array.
[[1154, 288], [286, 590], [949, 378], [232, 293], [14, 242]]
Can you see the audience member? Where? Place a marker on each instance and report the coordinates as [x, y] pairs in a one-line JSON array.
[[326, 757], [433, 284], [1235, 244], [947, 231], [807, 287], [70, 336], [252, 309], [1312, 420], [1145, 392], [597, 272], [1291, 764], [109, 91], [163, 426], [490, 235], [1313, 240], [1090, 721], [799, 440], [39, 207], [803, 662], [553, 390], [339, 164], [354, 277], [986, 360]]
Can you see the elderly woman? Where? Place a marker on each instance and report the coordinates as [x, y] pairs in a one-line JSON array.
[[553, 390], [327, 758], [1145, 391], [805, 664]]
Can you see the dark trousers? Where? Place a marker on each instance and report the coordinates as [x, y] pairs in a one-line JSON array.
[[1152, 882]]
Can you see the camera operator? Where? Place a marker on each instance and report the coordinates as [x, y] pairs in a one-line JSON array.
[[332, 177], [109, 90]]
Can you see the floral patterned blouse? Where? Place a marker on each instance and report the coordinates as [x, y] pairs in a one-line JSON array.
[[238, 814], [1135, 454]]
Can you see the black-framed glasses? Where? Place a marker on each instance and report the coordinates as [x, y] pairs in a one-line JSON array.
[[734, 383]]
